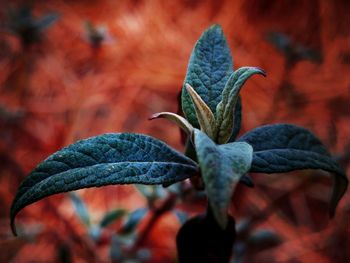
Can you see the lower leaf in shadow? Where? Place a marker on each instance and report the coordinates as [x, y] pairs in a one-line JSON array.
[[283, 148]]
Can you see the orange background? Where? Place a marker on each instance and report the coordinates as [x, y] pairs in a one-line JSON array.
[[63, 89]]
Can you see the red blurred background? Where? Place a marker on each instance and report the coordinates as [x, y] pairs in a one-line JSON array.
[[76, 81]]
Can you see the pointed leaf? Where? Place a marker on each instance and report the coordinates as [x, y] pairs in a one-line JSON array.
[[121, 158], [112, 216], [204, 115], [225, 109], [283, 148], [177, 119], [221, 168], [209, 67]]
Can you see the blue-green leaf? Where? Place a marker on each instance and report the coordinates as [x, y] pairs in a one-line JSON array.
[[133, 220], [81, 209], [283, 148], [221, 168], [225, 110], [108, 159], [111, 216], [237, 120], [240, 155], [209, 67]]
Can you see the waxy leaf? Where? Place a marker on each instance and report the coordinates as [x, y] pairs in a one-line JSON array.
[[121, 158], [225, 110], [177, 119], [204, 115], [222, 168], [208, 70], [283, 148]]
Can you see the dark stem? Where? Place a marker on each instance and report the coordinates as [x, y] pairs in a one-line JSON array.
[[157, 213], [201, 239]]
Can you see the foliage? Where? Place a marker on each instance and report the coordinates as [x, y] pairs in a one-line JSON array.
[[210, 101]]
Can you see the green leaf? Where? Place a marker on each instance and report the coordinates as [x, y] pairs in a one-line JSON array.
[[283, 148], [221, 169], [80, 209], [225, 110], [237, 120], [179, 120], [208, 70], [240, 155], [204, 115], [112, 216], [108, 159]]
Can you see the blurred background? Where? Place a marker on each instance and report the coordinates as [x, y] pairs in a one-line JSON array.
[[74, 69]]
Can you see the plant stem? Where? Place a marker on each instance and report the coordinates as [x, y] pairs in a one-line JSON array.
[[201, 239], [157, 213]]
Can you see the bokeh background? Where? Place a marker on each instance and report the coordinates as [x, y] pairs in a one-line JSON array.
[[74, 69]]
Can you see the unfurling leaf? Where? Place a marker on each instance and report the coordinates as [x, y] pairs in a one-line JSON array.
[[221, 168], [237, 120], [204, 115], [179, 120], [225, 109], [208, 70], [108, 159], [283, 148]]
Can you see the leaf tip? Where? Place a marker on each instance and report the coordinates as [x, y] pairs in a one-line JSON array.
[[215, 27], [188, 87], [154, 116], [262, 72], [13, 226]]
